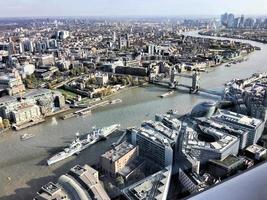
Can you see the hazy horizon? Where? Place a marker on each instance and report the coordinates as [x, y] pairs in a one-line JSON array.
[[118, 8]]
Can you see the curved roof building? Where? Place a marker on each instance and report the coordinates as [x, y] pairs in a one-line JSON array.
[[221, 146], [204, 109]]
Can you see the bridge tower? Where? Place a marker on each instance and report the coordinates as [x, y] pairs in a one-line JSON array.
[[173, 83], [195, 82]]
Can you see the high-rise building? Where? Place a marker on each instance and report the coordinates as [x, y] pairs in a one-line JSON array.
[[151, 49], [224, 19], [61, 35], [156, 141], [242, 20], [230, 20], [114, 36], [236, 22], [254, 126], [28, 46]]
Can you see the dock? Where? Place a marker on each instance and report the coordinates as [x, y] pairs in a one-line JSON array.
[[29, 124], [84, 111], [88, 109]]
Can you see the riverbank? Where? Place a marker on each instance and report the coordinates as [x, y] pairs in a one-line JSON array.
[[67, 111], [231, 35]]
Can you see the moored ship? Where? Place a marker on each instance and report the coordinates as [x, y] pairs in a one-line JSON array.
[[74, 148], [79, 145]]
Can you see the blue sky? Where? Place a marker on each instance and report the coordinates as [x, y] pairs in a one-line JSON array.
[[129, 7]]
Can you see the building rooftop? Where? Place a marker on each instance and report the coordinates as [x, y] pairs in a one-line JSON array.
[[221, 126], [255, 149], [222, 142], [118, 151], [130, 167], [36, 92], [238, 119], [158, 132], [228, 161], [52, 191], [88, 176], [154, 187]]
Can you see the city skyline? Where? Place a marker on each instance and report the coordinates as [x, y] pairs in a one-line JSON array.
[[133, 99], [31, 8]]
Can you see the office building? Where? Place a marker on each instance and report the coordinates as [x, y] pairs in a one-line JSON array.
[[25, 113], [81, 183], [46, 101], [208, 143], [249, 95], [155, 187], [151, 49], [226, 167], [114, 160], [192, 182], [45, 60], [156, 142], [61, 35], [254, 126], [242, 135], [135, 71], [230, 20], [256, 152], [167, 120], [11, 83]]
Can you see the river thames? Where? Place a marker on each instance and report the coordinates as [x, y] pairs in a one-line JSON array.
[[24, 162]]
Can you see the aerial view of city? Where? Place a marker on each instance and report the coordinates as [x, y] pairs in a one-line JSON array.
[[133, 100]]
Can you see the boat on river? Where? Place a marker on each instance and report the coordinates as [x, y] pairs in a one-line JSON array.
[[26, 136], [79, 145]]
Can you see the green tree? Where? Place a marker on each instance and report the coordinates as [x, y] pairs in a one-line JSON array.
[[6, 123], [120, 181], [85, 70], [79, 70], [109, 186], [141, 82], [28, 82], [134, 83], [33, 79], [49, 85], [130, 78], [124, 82], [65, 95], [57, 73], [114, 80], [1, 125], [92, 80], [128, 81]]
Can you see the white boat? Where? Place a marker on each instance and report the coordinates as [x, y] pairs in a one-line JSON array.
[[26, 136], [74, 148], [115, 101], [92, 138], [167, 94], [79, 145], [106, 131]]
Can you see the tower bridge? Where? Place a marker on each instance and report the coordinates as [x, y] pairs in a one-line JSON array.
[[173, 80]]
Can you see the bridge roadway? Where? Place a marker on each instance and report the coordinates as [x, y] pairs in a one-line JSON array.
[[211, 92]]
